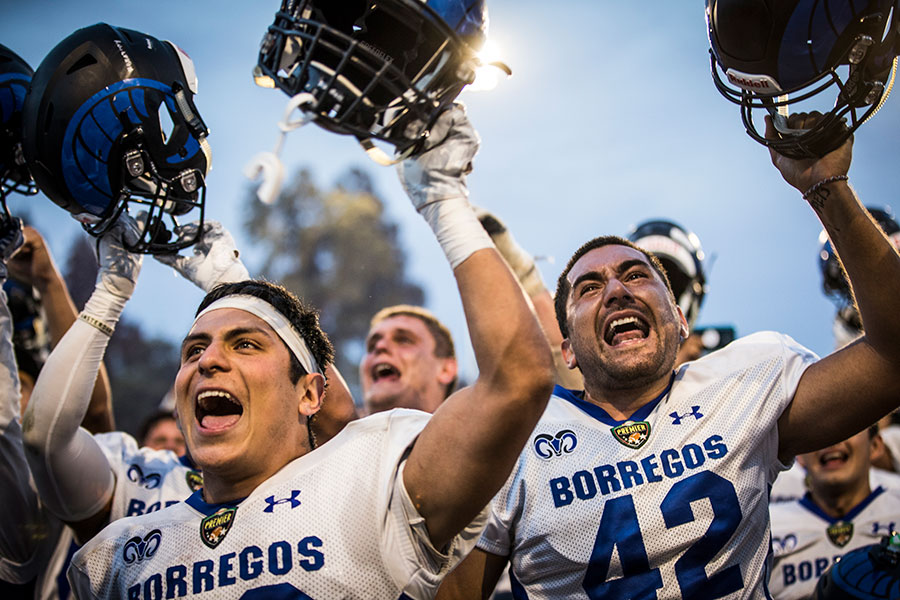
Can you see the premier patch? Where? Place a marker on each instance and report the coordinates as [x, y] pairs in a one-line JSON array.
[[194, 480], [632, 434], [840, 533], [216, 526]]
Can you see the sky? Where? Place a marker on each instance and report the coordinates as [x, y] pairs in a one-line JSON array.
[[610, 118]]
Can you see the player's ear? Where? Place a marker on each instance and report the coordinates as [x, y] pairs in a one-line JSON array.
[[568, 354], [685, 330], [310, 389], [449, 369]]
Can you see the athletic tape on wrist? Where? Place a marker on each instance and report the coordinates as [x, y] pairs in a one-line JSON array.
[[457, 229], [277, 321]]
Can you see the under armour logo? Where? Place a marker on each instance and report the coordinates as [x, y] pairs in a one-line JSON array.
[[150, 481], [137, 548], [695, 412], [546, 446], [784, 545], [883, 528], [272, 502]]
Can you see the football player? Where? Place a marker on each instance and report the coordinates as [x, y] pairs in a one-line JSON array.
[[841, 512], [390, 504], [654, 481]]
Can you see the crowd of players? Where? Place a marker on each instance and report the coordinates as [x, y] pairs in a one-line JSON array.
[[646, 473]]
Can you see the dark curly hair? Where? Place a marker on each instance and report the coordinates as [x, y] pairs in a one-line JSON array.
[[304, 319]]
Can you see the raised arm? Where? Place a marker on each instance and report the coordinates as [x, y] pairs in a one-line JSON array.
[[852, 388], [22, 512], [73, 476], [34, 265], [467, 450]]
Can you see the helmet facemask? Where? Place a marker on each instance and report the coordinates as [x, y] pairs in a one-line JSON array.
[[381, 70]]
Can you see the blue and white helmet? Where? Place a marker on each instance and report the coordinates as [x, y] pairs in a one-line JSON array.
[[15, 77], [110, 121], [382, 70]]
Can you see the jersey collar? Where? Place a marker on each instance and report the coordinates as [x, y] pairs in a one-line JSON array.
[[576, 397], [807, 502]]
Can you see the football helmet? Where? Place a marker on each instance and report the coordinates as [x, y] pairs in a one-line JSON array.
[[680, 253], [834, 56], [109, 124], [15, 76], [382, 70], [867, 573]]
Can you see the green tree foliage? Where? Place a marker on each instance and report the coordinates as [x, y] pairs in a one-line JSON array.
[[141, 369], [335, 249]]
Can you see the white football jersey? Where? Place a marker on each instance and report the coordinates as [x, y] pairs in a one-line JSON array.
[[334, 523], [146, 479], [672, 503], [806, 541], [790, 485]]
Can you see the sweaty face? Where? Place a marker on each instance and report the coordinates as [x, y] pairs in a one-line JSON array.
[[242, 417], [840, 466], [165, 435], [624, 327], [400, 369]]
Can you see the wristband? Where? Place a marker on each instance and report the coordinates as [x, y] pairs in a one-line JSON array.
[[816, 187], [97, 324]]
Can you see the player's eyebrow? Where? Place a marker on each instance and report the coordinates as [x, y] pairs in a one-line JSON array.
[[231, 334], [622, 267]]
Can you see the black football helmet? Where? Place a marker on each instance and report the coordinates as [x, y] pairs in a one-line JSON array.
[[769, 54], [110, 122], [15, 76], [382, 70], [680, 253], [867, 573]]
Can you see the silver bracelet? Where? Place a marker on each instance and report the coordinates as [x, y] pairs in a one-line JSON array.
[[815, 188], [96, 324]]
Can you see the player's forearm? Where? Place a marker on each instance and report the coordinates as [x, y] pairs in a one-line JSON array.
[[871, 262], [69, 467]]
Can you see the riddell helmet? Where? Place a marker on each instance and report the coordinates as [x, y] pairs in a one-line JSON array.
[[834, 283], [110, 120], [867, 573], [15, 75], [773, 53], [382, 70], [680, 253]]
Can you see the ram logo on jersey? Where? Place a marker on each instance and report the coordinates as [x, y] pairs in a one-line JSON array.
[[840, 533], [137, 549], [784, 545], [150, 481], [883, 528], [632, 434], [272, 502], [215, 527], [228, 569], [547, 447], [695, 412]]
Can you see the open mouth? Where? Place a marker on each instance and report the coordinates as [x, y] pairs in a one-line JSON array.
[[217, 409], [833, 459], [385, 372], [625, 329]]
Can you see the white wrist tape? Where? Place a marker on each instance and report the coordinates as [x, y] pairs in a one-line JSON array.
[[457, 229]]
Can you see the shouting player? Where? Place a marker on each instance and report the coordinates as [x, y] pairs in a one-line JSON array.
[[653, 482]]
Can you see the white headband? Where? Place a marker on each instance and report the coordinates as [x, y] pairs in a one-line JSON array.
[[276, 320]]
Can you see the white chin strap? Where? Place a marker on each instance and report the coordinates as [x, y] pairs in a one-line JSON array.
[[268, 164]]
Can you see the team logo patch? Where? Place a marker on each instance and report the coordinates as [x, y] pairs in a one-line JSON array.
[[840, 533], [633, 435], [194, 480], [138, 548], [547, 446], [216, 526], [149, 481], [784, 545]]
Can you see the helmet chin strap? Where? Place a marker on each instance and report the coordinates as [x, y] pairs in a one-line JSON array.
[[381, 157], [268, 164]]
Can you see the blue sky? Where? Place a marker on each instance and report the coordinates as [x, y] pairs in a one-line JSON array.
[[610, 118]]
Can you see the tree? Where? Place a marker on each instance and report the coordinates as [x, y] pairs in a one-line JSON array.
[[337, 251]]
